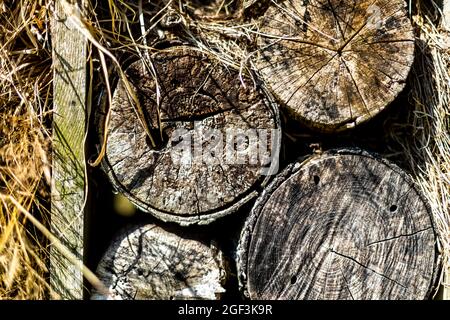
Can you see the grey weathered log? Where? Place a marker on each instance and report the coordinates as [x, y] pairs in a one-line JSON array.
[[148, 262], [335, 64], [341, 225], [197, 94]]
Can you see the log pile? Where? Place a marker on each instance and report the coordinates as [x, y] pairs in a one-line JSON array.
[[344, 224]]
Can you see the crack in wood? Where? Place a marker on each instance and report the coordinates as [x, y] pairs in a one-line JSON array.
[[347, 284], [367, 267], [398, 237]]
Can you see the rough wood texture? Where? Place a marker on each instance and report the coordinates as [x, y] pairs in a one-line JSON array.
[[342, 225], [68, 180], [149, 262], [197, 94], [336, 63]]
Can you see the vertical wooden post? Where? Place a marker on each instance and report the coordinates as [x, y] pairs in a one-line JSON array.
[[68, 183]]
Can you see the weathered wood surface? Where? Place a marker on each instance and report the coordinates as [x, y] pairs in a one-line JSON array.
[[190, 177], [68, 180], [148, 262], [335, 64], [342, 225]]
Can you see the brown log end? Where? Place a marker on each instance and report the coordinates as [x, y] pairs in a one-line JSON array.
[[335, 64], [199, 169], [148, 262], [341, 225]]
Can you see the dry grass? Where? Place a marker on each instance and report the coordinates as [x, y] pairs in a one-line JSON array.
[[25, 102], [122, 28], [427, 149]]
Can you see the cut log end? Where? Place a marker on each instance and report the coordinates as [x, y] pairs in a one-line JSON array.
[[343, 225], [148, 262], [197, 168], [335, 64]]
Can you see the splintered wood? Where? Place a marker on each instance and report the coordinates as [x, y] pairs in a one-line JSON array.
[[195, 112], [149, 262], [342, 225], [336, 63]]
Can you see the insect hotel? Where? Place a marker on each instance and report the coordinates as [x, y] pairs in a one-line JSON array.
[[261, 150]]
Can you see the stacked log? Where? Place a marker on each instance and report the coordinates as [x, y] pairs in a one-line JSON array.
[[341, 225], [147, 262], [335, 64], [195, 109]]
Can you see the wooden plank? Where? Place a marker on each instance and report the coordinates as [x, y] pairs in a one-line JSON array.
[[68, 183]]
